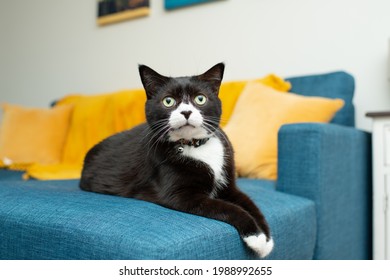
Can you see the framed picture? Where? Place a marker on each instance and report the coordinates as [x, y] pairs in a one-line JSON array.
[[174, 4], [111, 11]]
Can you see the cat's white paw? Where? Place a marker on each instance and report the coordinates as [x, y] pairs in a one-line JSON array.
[[259, 244]]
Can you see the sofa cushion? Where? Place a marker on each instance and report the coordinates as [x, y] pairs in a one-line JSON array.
[[230, 91], [333, 85], [56, 220], [33, 135], [259, 113]]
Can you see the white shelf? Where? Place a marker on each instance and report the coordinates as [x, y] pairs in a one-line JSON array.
[[381, 184]]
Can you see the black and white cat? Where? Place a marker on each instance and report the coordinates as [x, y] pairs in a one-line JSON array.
[[180, 158]]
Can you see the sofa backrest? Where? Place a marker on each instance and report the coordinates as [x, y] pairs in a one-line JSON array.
[[331, 85]]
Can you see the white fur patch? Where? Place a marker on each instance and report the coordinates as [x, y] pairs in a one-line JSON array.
[[186, 129], [259, 244], [212, 154]]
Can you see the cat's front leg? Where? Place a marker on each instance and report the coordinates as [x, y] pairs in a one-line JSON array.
[[228, 212], [261, 241]]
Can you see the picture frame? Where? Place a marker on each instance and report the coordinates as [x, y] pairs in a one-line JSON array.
[[175, 4], [112, 11]]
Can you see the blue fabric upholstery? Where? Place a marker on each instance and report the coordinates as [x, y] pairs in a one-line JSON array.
[[269, 184], [6, 175], [56, 220], [331, 85], [330, 164]]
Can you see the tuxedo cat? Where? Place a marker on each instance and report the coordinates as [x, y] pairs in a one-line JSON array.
[[180, 158]]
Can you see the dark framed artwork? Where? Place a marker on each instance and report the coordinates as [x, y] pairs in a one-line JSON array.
[[174, 4], [111, 11]]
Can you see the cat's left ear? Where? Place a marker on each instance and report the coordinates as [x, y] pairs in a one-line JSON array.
[[214, 76], [151, 80]]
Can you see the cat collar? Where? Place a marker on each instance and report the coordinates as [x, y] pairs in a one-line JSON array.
[[192, 143]]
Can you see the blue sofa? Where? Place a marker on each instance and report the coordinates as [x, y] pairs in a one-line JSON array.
[[319, 208]]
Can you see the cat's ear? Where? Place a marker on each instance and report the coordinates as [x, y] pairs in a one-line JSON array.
[[214, 76], [151, 80]]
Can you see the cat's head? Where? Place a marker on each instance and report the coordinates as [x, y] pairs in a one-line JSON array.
[[185, 107]]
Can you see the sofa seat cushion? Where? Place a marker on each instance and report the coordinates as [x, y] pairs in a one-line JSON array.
[[56, 220]]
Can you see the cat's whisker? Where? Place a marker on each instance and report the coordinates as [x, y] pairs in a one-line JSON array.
[[215, 124], [209, 126], [159, 123], [154, 132], [209, 129], [157, 136], [157, 133], [213, 120], [221, 134], [217, 119], [156, 126], [158, 141], [152, 137]]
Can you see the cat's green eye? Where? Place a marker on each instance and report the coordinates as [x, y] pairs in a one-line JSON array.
[[200, 99], [169, 101]]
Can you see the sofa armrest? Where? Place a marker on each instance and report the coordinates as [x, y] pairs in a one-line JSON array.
[[331, 165]]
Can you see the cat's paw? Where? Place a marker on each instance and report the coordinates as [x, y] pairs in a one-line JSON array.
[[259, 244]]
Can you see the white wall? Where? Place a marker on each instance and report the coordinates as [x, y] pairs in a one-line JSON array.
[[50, 48]]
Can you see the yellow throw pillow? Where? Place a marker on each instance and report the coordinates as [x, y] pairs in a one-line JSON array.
[[230, 91], [95, 117], [259, 113], [31, 135]]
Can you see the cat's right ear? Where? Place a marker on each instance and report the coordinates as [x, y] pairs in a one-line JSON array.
[[214, 76], [151, 80]]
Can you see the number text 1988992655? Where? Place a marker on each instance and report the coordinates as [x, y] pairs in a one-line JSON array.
[[242, 270]]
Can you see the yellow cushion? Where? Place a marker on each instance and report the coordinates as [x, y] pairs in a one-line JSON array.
[[95, 117], [58, 171], [259, 113], [30, 135], [230, 91]]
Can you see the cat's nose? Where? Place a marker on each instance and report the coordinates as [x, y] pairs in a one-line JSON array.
[[186, 114]]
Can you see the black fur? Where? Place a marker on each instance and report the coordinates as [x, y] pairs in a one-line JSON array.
[[143, 163]]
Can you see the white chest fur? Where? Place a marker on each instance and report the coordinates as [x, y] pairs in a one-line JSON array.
[[212, 154]]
